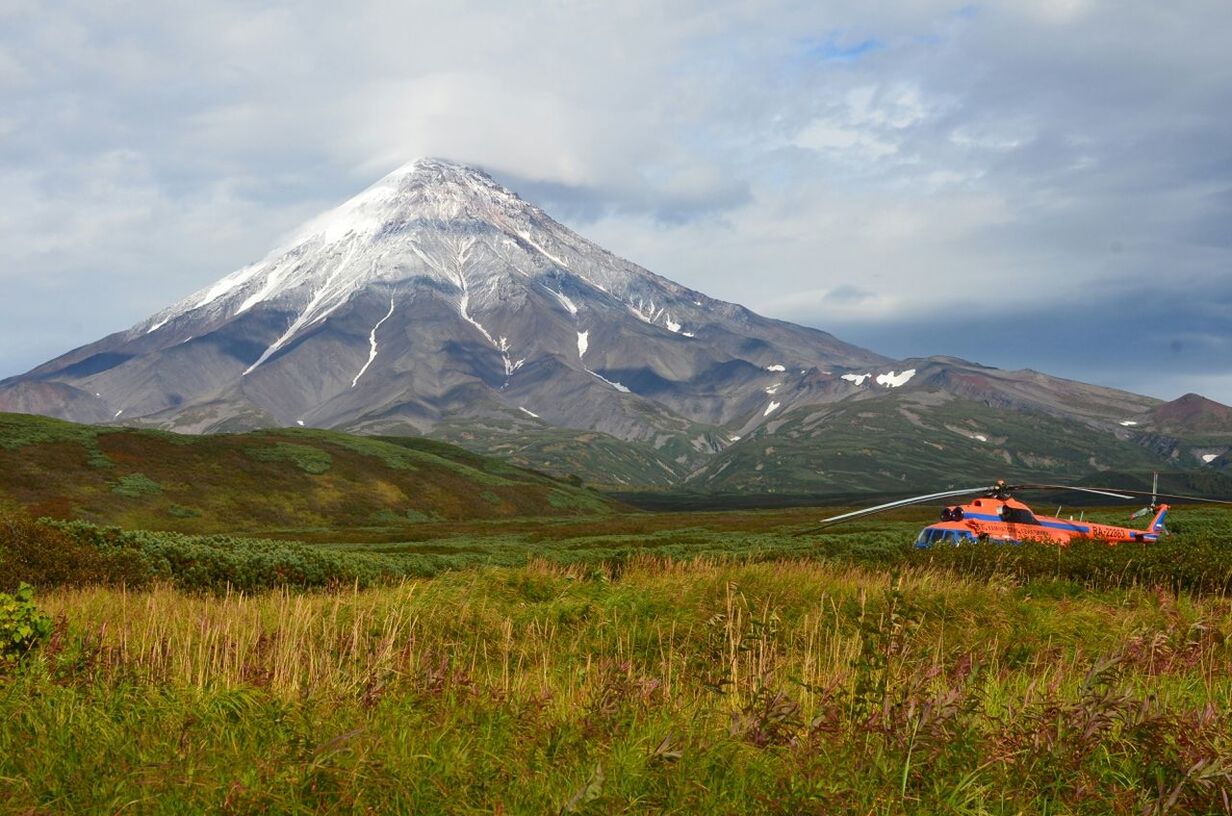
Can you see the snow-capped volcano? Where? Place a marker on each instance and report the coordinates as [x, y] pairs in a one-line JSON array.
[[437, 301], [438, 293]]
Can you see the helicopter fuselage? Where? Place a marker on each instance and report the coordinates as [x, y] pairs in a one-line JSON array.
[[1009, 521]]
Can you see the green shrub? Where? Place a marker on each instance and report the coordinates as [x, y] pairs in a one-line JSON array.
[[22, 626], [44, 555], [308, 459], [584, 502], [137, 484], [215, 563]]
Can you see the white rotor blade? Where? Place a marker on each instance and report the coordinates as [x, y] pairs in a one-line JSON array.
[[907, 502]]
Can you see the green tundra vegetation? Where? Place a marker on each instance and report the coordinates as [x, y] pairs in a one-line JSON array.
[[263, 480], [625, 663]]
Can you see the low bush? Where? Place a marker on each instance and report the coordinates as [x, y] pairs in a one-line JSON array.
[[216, 563], [1194, 564], [41, 554], [306, 458], [53, 553], [22, 626], [136, 484]]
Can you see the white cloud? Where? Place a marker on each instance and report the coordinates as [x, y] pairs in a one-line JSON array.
[[823, 135], [155, 147]]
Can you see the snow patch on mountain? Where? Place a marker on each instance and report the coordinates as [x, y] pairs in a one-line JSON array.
[[510, 364], [644, 311], [613, 383], [525, 236], [372, 343], [569, 305], [777, 367], [892, 380], [583, 343], [648, 312], [773, 406], [230, 283], [310, 314]]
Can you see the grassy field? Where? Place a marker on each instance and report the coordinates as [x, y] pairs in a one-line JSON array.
[[633, 663]]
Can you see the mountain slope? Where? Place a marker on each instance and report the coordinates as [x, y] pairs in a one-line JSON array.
[[290, 478], [919, 439]]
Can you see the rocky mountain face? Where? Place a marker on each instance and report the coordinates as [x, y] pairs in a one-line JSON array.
[[438, 302]]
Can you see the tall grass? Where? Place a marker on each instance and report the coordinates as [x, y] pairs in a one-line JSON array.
[[646, 685]]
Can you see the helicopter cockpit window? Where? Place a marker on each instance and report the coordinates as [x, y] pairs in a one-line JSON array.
[[1017, 515], [931, 535]]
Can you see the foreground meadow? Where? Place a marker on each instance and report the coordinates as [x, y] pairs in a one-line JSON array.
[[642, 685]]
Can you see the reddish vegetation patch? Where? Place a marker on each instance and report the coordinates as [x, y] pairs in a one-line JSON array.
[[54, 507]]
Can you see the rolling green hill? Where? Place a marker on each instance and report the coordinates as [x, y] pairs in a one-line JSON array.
[[276, 479]]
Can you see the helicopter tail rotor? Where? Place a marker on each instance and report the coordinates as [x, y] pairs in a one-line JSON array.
[[1150, 508]]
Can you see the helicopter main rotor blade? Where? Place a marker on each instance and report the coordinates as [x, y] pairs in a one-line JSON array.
[[881, 508], [1096, 491], [1204, 499]]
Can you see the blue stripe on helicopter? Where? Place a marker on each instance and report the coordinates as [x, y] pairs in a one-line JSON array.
[[1056, 525]]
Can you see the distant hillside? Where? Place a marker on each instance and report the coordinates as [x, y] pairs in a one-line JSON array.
[[921, 440], [597, 458], [278, 479], [1192, 414]]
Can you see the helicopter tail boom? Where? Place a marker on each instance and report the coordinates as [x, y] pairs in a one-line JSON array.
[[1157, 523]]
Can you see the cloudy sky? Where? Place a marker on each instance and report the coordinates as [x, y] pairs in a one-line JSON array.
[[1040, 184]]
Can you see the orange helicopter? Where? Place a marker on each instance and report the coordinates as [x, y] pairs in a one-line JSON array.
[[998, 517]]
